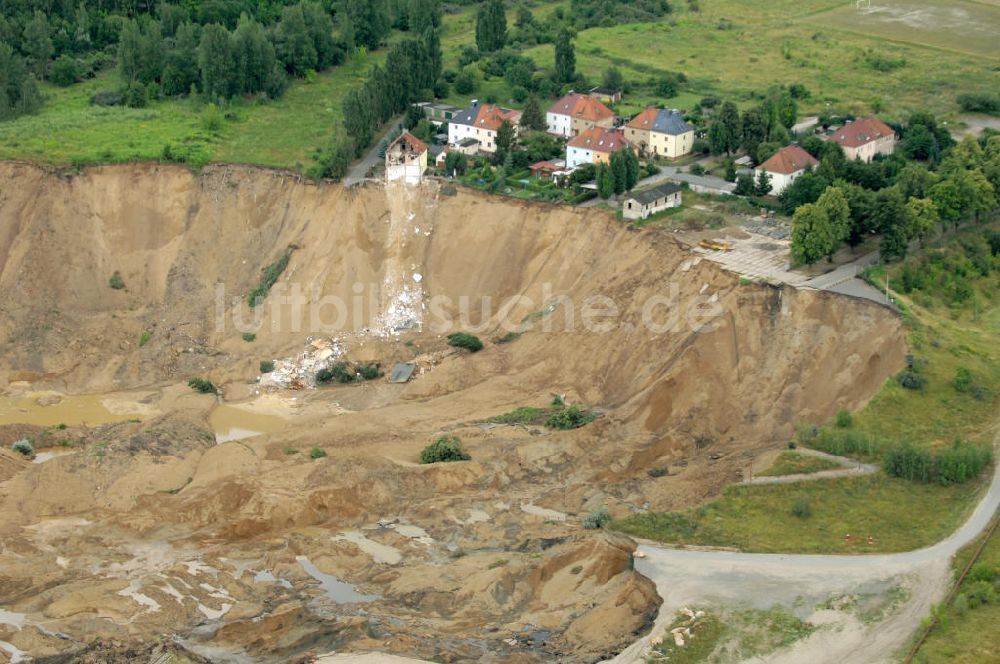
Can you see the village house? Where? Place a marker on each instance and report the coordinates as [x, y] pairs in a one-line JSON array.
[[479, 122], [864, 138], [576, 113], [641, 204], [594, 146], [439, 113], [406, 159], [785, 167], [659, 132]]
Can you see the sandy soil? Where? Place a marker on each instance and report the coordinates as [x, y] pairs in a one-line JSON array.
[[245, 551]]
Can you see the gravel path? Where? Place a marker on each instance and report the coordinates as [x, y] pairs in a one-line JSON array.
[[851, 468], [798, 583]]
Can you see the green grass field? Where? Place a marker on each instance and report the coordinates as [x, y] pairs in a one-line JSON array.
[[733, 49], [969, 637], [760, 518], [280, 134], [793, 463]]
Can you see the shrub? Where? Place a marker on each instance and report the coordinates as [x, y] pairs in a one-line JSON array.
[[522, 415], [64, 71], [961, 604], [984, 572], [801, 509], [290, 451], [371, 371], [116, 281], [108, 98], [467, 341], [211, 118], [317, 453], [24, 447], [266, 366], [249, 337], [445, 448], [963, 380], [844, 420], [957, 464], [911, 380], [596, 519], [910, 463], [268, 278], [981, 593], [658, 471], [144, 338], [570, 418], [508, 337], [203, 386], [338, 372]]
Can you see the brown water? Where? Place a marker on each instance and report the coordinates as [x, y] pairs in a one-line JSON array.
[[233, 423], [84, 409]]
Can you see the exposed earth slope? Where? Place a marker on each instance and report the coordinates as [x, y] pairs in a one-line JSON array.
[[251, 550]]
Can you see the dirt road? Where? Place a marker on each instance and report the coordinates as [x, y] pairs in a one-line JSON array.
[[801, 583]]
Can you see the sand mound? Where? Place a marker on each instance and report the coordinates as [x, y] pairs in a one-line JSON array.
[[121, 540]]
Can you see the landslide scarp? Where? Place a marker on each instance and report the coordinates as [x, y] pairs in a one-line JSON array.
[[145, 527]]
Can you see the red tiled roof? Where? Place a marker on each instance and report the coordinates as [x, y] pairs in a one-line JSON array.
[[861, 132], [599, 139], [789, 159], [491, 117], [644, 121], [544, 166], [581, 106], [415, 144]]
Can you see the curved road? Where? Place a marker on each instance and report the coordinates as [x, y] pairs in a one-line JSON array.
[[799, 583]]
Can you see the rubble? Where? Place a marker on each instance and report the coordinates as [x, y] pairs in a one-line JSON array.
[[300, 372]]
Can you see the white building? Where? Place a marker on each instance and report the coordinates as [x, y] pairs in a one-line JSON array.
[[481, 123], [785, 167], [575, 113], [641, 204]]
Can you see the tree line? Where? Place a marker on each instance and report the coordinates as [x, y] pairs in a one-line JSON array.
[[221, 48], [842, 201]]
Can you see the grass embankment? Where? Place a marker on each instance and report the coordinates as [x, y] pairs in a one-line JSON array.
[[793, 463], [813, 517], [730, 636], [968, 635]]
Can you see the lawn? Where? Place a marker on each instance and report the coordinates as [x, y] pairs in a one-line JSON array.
[[760, 518], [282, 133], [968, 637], [793, 463]]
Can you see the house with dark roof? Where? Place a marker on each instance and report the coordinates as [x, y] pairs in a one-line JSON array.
[[406, 159], [594, 146], [785, 167], [575, 113], [480, 122], [864, 138], [661, 132], [606, 95], [641, 204]]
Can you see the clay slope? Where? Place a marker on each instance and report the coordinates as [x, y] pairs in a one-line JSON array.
[[498, 568]]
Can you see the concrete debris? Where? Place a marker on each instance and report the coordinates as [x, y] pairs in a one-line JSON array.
[[299, 372]]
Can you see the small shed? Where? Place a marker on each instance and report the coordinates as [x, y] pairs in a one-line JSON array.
[[641, 204], [468, 146], [546, 169], [606, 95]]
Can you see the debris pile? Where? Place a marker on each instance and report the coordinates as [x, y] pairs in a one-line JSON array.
[[300, 372]]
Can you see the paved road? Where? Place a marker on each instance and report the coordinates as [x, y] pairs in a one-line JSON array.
[[799, 583], [359, 171]]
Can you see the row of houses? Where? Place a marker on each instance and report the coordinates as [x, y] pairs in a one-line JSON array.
[[864, 139]]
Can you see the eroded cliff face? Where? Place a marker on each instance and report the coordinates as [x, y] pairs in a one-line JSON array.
[[150, 528]]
